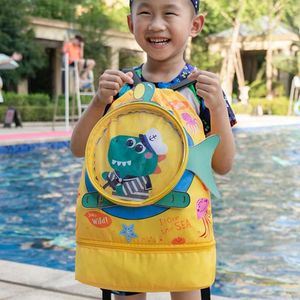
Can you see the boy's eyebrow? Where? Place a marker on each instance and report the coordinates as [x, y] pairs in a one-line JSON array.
[[143, 4]]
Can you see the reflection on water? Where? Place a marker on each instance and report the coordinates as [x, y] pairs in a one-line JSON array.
[[257, 221]]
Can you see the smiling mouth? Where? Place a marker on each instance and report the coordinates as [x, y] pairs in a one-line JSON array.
[[159, 41], [121, 163]]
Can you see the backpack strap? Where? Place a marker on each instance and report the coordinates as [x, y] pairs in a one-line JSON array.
[[205, 294], [178, 86], [106, 294], [182, 84]]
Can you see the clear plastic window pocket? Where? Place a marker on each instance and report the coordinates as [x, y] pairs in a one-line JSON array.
[[138, 152]]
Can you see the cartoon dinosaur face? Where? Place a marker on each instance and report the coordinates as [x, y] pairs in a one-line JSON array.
[[129, 156]]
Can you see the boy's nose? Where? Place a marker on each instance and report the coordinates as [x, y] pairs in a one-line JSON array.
[[157, 24]]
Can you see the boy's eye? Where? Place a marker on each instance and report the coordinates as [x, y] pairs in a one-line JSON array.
[[169, 13], [143, 13]]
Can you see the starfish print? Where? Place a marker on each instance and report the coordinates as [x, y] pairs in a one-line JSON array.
[[128, 232]]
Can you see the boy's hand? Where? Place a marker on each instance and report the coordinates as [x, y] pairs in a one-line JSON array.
[[110, 82], [208, 87]]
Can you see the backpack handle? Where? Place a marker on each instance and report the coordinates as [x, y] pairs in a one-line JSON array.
[[136, 79], [178, 86]]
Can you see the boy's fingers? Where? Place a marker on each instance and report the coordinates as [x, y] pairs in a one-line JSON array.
[[128, 77], [196, 73], [204, 87], [203, 94], [110, 85], [125, 78], [208, 74], [130, 74], [205, 79], [112, 78]]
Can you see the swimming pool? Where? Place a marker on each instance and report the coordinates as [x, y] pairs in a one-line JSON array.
[[257, 221], [37, 206]]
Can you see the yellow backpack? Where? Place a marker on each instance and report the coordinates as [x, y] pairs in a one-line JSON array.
[[144, 221]]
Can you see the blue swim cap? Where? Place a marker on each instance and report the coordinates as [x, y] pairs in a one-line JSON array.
[[196, 4]]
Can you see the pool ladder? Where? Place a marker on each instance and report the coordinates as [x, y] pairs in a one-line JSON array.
[[72, 86]]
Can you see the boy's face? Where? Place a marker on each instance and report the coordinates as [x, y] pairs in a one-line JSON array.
[[162, 28]]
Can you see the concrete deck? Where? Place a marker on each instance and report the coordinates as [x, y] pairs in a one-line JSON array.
[[246, 121], [28, 282]]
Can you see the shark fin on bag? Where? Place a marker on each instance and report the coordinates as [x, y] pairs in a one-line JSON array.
[[199, 162]]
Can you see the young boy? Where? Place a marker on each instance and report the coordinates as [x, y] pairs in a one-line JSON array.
[[162, 29]]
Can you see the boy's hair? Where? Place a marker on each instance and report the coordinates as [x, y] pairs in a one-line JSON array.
[[195, 3]]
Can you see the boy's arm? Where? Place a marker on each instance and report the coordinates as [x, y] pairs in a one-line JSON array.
[[110, 83], [223, 157], [209, 88]]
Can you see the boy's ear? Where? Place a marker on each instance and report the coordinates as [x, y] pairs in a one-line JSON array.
[[129, 22], [197, 25]]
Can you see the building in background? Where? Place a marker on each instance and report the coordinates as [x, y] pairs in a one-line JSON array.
[[253, 45]]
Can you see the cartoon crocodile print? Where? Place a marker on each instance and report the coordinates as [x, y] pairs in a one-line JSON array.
[[133, 159]]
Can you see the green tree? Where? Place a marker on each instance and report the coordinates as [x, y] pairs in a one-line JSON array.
[[288, 63], [224, 14], [233, 13], [93, 22], [117, 12], [16, 35], [55, 9], [213, 23]]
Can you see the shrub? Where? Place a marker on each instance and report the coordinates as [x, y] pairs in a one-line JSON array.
[[276, 106], [31, 113], [258, 89], [240, 108], [280, 106], [14, 99], [37, 99]]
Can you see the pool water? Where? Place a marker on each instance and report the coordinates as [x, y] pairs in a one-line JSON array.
[[257, 221], [37, 207]]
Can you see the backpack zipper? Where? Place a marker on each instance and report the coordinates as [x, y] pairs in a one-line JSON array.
[[137, 247]]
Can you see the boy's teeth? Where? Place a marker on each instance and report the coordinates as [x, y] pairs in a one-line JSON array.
[[159, 41]]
